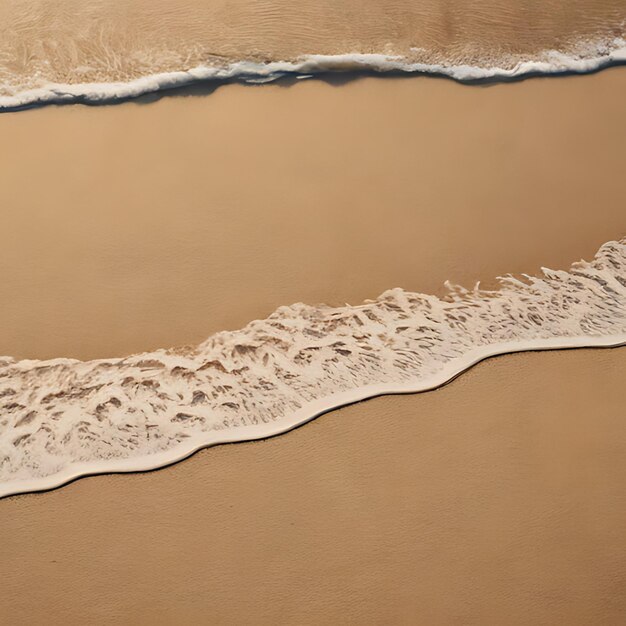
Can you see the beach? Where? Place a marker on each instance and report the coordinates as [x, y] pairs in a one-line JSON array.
[[158, 222], [495, 500]]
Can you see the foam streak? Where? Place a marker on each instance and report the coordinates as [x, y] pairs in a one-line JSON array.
[[550, 62], [63, 418]]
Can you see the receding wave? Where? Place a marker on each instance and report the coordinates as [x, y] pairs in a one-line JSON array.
[[65, 418]]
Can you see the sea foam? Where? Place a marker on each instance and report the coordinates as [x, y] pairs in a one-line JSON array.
[[589, 59], [63, 418]]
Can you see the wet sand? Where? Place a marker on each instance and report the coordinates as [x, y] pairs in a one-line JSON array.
[[495, 500], [133, 227]]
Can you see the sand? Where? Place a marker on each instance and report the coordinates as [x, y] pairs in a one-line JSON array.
[[140, 226], [495, 500]]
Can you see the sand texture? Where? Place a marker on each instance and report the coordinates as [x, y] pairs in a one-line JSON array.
[[495, 500]]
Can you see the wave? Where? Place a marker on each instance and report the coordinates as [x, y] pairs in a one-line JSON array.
[[61, 419], [589, 59]]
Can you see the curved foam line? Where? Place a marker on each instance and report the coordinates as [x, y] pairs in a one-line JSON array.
[[552, 62], [307, 413]]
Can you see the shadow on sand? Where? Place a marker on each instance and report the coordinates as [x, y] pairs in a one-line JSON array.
[[203, 88]]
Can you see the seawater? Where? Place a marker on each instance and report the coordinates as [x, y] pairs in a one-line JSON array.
[[105, 50]]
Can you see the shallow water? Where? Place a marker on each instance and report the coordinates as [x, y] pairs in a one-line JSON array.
[[69, 42]]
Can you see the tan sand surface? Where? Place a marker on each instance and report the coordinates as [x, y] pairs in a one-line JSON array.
[[495, 500], [133, 227]]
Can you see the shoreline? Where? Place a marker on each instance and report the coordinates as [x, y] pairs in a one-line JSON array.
[[321, 67], [496, 486], [152, 409], [306, 414]]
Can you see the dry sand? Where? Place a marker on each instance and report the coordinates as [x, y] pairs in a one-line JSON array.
[[134, 227], [495, 500]]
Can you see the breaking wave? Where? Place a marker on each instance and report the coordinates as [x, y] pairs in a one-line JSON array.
[[64, 418]]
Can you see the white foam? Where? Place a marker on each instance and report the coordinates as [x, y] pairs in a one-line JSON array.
[[596, 57], [62, 419]]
